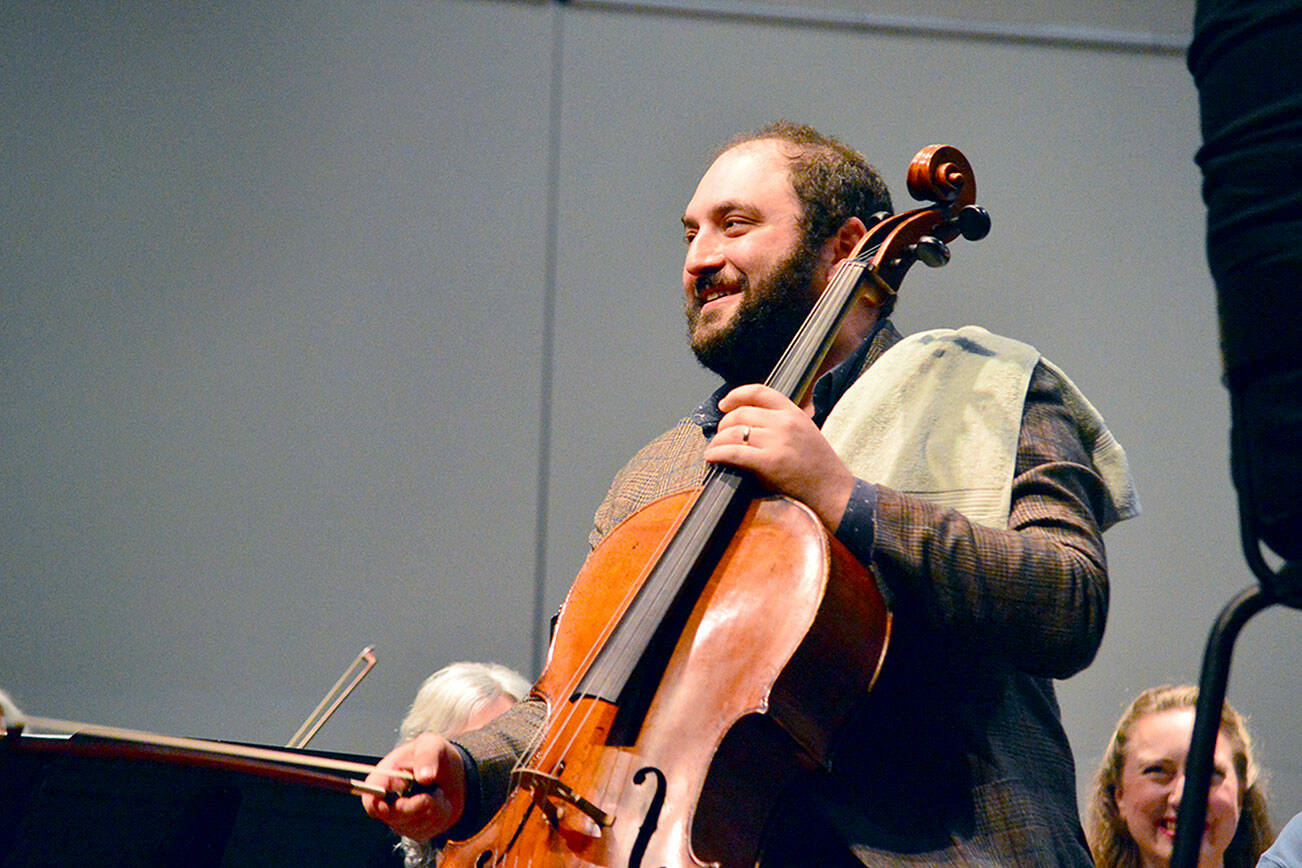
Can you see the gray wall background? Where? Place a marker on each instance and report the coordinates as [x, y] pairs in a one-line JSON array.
[[325, 325]]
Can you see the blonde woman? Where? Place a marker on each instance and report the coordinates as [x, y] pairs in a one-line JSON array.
[[1140, 781]]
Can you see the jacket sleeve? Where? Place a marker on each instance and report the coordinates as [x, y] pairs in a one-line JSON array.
[[492, 753]]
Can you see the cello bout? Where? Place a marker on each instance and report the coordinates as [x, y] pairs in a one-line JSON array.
[[749, 697]]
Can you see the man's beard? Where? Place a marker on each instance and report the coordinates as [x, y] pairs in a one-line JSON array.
[[765, 321]]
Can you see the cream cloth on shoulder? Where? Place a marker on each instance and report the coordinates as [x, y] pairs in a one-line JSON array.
[[939, 416]]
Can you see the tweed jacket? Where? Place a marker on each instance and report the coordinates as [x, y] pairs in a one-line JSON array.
[[959, 756]]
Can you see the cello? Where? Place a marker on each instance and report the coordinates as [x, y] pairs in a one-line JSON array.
[[678, 704]]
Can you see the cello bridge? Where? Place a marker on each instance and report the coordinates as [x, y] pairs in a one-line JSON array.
[[548, 789]]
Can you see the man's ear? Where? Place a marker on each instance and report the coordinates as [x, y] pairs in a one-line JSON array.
[[842, 244]]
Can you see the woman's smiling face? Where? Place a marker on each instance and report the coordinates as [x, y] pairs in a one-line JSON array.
[[1152, 781]]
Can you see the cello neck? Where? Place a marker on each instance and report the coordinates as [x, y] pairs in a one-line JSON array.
[[796, 370]]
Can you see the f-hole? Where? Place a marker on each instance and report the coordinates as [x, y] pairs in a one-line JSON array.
[[652, 818]]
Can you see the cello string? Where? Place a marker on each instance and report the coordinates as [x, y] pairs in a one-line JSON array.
[[579, 719], [676, 556], [566, 714], [621, 610], [843, 286], [673, 557]]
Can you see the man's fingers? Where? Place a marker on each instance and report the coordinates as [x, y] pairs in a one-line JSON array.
[[754, 395]]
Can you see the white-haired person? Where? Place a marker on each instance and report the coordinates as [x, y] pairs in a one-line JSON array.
[[456, 699]]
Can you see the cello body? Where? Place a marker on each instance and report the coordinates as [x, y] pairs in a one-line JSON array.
[[785, 637]]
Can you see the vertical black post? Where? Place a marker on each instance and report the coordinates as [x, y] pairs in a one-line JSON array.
[[1207, 722]]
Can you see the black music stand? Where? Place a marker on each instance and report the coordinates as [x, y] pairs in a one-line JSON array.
[[1274, 587], [66, 809]]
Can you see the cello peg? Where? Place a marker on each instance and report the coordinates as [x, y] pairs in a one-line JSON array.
[[930, 251], [973, 222]]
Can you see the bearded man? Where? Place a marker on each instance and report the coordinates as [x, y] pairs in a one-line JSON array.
[[985, 540]]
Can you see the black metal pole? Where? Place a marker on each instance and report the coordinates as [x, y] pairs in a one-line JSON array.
[[1207, 721]]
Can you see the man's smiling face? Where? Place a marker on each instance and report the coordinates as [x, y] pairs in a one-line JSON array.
[[748, 277]]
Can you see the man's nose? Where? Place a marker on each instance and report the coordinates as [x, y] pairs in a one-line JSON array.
[[704, 255]]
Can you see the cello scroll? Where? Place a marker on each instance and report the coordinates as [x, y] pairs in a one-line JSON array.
[[939, 174]]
